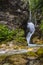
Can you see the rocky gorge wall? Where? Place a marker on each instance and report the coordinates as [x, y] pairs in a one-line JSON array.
[[13, 13]]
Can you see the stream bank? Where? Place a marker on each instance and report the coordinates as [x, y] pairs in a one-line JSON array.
[[23, 60]]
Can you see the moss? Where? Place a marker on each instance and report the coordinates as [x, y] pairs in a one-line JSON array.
[[33, 54], [40, 52]]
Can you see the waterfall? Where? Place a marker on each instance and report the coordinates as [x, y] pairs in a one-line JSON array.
[[31, 28]]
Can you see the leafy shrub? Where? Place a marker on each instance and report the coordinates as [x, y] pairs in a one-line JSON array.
[[6, 33], [20, 36], [41, 26]]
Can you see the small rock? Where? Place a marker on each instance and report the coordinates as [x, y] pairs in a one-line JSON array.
[[3, 45], [3, 22]]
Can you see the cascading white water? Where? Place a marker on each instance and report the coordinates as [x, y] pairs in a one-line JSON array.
[[31, 28]]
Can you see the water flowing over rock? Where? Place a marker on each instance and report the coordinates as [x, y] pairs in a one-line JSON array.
[[31, 28]]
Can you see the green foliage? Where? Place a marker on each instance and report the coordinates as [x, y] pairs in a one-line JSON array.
[[31, 54], [41, 26], [6, 33], [20, 39], [20, 33], [40, 52], [35, 4], [20, 36]]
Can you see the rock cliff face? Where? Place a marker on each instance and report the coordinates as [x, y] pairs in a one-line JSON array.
[[13, 13]]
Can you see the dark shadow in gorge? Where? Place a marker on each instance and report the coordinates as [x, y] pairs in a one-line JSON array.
[[24, 26], [4, 5]]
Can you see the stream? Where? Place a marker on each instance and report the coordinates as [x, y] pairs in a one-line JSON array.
[[15, 54]]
